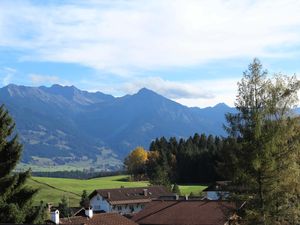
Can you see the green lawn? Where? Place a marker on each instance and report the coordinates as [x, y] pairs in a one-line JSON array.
[[187, 189], [52, 189]]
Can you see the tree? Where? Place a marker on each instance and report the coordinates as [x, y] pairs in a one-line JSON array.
[[85, 201], [63, 207], [15, 198], [175, 189], [135, 163], [266, 147]]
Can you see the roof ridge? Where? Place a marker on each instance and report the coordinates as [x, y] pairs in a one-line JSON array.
[[129, 187]]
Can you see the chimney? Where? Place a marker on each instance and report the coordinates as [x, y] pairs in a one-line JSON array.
[[89, 212], [108, 195], [54, 217], [49, 205], [145, 192]]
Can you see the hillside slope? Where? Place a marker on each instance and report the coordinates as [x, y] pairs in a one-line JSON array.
[[66, 126]]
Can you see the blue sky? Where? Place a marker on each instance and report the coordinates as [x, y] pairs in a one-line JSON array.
[[193, 52]]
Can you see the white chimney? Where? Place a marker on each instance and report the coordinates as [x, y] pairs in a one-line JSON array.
[[89, 212], [145, 192], [54, 217]]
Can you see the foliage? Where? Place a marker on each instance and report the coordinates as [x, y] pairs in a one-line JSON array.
[[84, 201], [261, 154], [63, 207], [15, 198], [175, 189], [185, 161], [192, 194], [135, 163]]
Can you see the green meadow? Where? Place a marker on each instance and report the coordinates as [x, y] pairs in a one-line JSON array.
[[51, 190]]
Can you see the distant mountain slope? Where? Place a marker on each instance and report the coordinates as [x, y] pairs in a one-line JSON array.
[[64, 125]]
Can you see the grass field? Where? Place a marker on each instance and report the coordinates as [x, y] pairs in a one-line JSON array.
[[52, 189]]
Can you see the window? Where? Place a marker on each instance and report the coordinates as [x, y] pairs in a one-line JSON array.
[[98, 197], [119, 208], [131, 208]]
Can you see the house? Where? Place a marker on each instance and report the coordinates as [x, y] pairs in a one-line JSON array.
[[221, 190], [125, 200], [87, 217], [218, 191], [186, 212]]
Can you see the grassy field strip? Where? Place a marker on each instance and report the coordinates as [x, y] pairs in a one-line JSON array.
[[52, 189], [59, 189], [48, 194], [187, 189]]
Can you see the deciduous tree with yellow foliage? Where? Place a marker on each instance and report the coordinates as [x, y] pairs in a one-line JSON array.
[[135, 163]]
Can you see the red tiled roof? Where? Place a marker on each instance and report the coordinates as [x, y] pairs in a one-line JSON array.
[[98, 219], [189, 212], [131, 195]]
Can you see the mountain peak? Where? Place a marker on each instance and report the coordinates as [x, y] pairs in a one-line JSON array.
[[221, 105], [58, 86], [146, 91]]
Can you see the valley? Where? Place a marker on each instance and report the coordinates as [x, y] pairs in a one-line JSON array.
[[51, 190]]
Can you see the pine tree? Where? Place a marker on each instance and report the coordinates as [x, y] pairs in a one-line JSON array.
[[266, 148], [15, 197], [63, 207], [85, 201]]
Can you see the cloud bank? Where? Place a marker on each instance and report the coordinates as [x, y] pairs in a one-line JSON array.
[[122, 37], [128, 40]]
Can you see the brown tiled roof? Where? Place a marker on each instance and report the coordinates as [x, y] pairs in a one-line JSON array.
[[133, 201], [131, 195], [189, 212], [98, 219]]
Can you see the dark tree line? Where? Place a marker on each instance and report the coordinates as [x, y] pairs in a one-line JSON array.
[[192, 160]]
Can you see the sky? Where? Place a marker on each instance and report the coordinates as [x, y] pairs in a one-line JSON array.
[[191, 51]]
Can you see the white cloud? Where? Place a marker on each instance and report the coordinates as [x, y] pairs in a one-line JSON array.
[[190, 93], [40, 79], [224, 90], [124, 36], [170, 89], [7, 74]]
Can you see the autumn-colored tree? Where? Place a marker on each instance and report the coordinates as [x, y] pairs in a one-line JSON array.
[[135, 163]]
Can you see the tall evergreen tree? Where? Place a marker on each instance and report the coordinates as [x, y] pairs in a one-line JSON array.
[[84, 201], [264, 156], [15, 197], [63, 207]]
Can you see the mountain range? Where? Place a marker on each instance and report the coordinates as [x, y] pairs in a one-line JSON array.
[[65, 126]]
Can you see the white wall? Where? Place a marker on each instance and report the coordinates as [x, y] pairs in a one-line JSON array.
[[98, 203], [128, 208], [216, 195]]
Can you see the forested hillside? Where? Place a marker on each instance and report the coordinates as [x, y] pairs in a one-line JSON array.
[[66, 128]]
